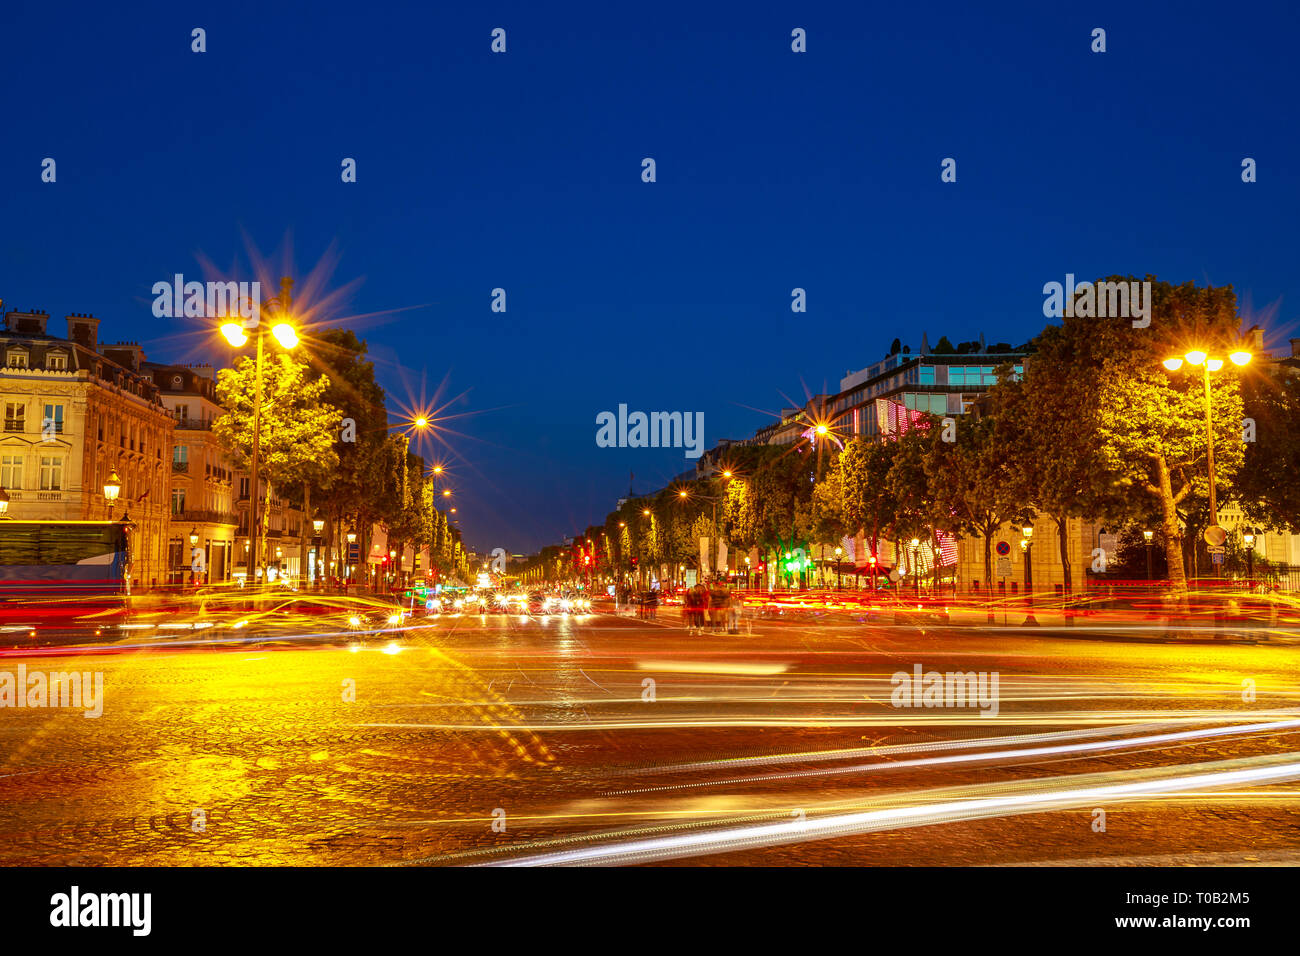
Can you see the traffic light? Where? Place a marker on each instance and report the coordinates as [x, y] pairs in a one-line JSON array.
[[586, 559]]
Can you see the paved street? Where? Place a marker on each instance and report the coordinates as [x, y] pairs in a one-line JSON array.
[[501, 739]]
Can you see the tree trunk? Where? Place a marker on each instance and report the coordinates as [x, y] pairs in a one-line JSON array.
[[303, 579], [1173, 539], [263, 524], [1063, 540]]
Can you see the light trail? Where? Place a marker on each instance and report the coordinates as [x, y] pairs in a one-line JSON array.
[[1271, 769]]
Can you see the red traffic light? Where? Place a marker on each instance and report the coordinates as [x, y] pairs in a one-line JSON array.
[[586, 559]]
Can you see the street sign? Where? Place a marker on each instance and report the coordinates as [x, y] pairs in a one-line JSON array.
[[895, 576], [1004, 547], [1216, 557], [1215, 550], [1004, 567], [1215, 535]]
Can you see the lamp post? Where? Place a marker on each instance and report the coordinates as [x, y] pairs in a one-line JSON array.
[[916, 575], [1025, 544], [112, 488], [1148, 535], [838, 552], [236, 334], [1214, 535], [1249, 538], [317, 526], [350, 569]]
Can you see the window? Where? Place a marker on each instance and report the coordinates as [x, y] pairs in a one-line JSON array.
[[11, 471], [178, 501], [56, 360], [926, 375], [15, 417], [52, 423], [51, 473], [16, 358], [182, 412]]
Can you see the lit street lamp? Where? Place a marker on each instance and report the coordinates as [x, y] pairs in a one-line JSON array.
[[1249, 538], [1214, 535], [838, 551], [916, 575], [1148, 535], [112, 488], [1025, 545], [236, 334]]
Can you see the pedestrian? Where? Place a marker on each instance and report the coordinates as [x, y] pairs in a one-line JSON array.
[[733, 612], [718, 600], [653, 603], [698, 602]]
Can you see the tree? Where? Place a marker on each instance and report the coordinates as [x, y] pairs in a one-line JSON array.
[[975, 483], [298, 427], [1048, 427], [1272, 403], [1152, 422]]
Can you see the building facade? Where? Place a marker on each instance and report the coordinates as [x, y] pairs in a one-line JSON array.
[[75, 413]]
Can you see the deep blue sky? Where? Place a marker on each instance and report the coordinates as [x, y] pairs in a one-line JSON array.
[[522, 170]]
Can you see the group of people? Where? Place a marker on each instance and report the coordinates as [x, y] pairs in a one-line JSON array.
[[712, 604]]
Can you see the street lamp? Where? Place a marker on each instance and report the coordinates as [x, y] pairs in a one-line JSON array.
[[112, 488], [838, 551], [916, 543], [236, 333], [1148, 535], [1249, 538], [1025, 545], [1214, 535]]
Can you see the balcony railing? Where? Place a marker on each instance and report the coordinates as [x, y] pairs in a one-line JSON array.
[[194, 424], [182, 466], [206, 517]]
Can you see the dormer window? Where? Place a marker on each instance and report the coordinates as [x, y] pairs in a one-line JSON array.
[[16, 358], [56, 361]]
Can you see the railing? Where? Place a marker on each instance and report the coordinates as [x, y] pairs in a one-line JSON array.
[[194, 424], [31, 495], [206, 516], [181, 466]]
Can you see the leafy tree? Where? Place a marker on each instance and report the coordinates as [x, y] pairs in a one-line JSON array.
[[975, 482], [1152, 422], [1272, 401], [298, 427]]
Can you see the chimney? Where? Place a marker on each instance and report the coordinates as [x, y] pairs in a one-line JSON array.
[[127, 354], [84, 330], [27, 323]]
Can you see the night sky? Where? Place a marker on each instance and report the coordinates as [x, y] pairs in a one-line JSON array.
[[522, 171]]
